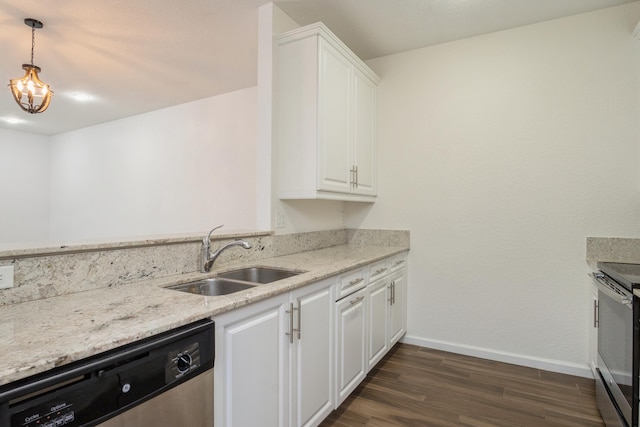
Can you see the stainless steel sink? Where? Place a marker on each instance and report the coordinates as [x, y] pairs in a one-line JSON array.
[[259, 274], [213, 287], [235, 281]]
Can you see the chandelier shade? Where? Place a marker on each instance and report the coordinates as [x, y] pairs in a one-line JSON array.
[[30, 93]]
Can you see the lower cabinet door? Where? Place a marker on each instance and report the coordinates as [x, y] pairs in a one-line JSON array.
[[397, 308], [351, 348], [250, 365], [311, 373], [378, 296]]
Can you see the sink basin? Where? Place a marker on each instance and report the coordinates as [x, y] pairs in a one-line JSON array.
[[259, 274], [212, 287], [234, 281]]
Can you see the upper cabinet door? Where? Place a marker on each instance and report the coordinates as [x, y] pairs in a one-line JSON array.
[[326, 107], [334, 128], [364, 135]]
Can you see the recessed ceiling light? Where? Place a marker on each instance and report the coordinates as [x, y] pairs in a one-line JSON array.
[[82, 97], [12, 120]]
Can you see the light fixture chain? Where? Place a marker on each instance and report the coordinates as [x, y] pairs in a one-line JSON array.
[[33, 42]]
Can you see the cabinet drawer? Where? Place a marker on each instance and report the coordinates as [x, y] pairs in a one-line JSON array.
[[398, 262], [350, 282], [379, 269]]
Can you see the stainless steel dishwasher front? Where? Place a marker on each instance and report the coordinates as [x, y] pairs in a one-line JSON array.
[[164, 380], [189, 404]]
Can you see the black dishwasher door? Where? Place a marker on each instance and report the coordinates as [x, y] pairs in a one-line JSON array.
[[87, 392]]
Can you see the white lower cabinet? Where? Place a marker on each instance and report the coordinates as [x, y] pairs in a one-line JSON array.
[[397, 306], [250, 382], [593, 331], [274, 360], [311, 361], [289, 360], [377, 319], [387, 314], [351, 367]]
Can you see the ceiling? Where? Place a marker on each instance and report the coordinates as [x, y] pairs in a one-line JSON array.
[[127, 57]]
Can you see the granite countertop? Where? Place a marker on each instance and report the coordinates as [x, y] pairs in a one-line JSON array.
[[39, 335], [613, 249]]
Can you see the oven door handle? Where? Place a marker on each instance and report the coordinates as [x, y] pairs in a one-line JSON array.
[[614, 292]]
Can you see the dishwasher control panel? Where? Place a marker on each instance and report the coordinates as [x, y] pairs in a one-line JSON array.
[[47, 416], [101, 387], [182, 361]]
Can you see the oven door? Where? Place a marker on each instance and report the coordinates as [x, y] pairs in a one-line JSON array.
[[615, 343]]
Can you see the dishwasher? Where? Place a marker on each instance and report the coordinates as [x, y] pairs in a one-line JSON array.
[[164, 380]]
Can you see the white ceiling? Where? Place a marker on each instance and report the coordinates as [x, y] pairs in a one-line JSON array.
[[135, 56]]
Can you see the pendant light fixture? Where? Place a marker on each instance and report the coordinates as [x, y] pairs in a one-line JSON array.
[[32, 94]]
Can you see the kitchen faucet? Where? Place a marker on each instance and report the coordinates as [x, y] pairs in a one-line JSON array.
[[208, 258]]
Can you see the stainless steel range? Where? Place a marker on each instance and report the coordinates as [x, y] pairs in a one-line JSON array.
[[618, 316]]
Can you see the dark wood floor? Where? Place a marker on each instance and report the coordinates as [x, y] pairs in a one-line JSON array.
[[415, 386]]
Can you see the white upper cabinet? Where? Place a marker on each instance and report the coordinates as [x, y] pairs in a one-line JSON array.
[[326, 117]]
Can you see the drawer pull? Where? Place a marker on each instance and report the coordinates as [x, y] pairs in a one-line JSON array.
[[380, 270], [356, 281], [400, 262], [357, 300]]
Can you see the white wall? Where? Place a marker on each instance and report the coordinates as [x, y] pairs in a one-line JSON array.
[[299, 215], [501, 153], [181, 169], [24, 186]]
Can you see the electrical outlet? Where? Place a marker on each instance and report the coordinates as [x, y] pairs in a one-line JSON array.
[[6, 276], [280, 219]]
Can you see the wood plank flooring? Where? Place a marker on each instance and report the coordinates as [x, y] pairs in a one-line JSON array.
[[415, 386]]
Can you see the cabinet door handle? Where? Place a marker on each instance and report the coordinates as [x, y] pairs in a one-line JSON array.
[[352, 178], [380, 270], [393, 292], [357, 300], [356, 168], [299, 319], [596, 320], [290, 312], [390, 299], [356, 281]]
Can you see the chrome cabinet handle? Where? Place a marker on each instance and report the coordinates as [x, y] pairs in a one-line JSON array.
[[356, 281], [299, 320], [290, 333], [380, 270], [393, 292], [596, 320], [291, 328], [354, 176], [357, 300]]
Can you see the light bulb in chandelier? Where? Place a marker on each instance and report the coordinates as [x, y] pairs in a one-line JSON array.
[[32, 94]]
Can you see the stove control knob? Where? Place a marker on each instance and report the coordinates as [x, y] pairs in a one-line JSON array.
[[183, 362]]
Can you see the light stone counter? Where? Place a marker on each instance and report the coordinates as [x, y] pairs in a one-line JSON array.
[[38, 335], [612, 249]]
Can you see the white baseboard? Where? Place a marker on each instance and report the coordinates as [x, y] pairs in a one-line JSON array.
[[501, 356]]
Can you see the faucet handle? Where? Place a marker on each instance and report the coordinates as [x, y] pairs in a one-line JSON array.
[[208, 238]]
